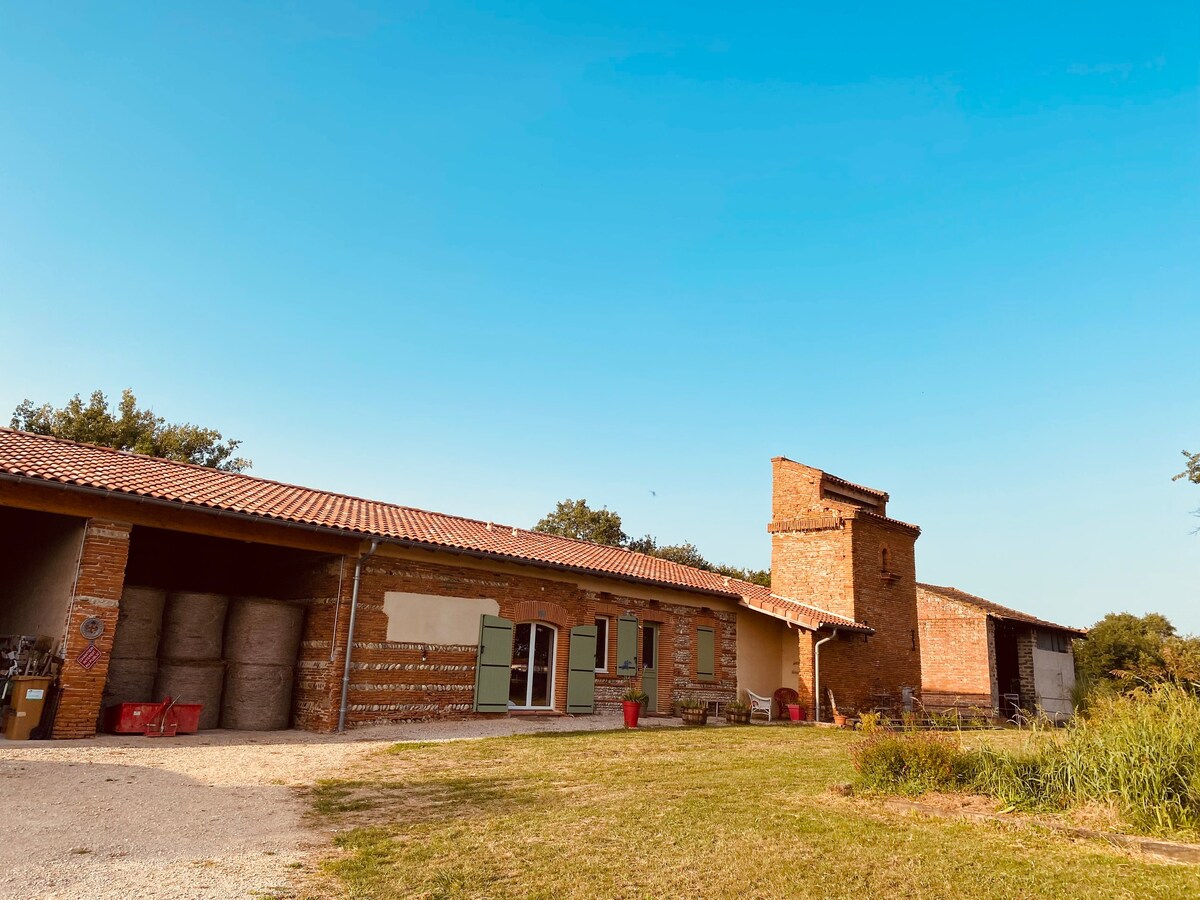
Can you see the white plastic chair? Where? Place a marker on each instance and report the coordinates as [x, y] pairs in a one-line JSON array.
[[760, 704]]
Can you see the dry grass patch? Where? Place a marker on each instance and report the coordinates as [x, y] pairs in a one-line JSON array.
[[712, 812]]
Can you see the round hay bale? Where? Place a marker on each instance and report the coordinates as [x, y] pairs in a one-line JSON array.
[[193, 626], [192, 681], [130, 681], [139, 623], [257, 698], [263, 632]]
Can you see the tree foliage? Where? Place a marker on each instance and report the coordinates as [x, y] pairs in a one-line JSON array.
[[1191, 471], [1123, 642], [125, 427], [575, 519]]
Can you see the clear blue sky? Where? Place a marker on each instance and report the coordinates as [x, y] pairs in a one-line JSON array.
[[478, 258]]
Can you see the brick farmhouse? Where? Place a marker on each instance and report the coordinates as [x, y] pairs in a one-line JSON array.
[[411, 614]]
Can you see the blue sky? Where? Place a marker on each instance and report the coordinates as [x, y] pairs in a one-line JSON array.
[[478, 258]]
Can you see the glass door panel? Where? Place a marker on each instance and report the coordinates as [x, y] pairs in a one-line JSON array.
[[541, 662], [518, 683]]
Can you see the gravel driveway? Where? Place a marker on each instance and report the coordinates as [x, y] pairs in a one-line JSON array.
[[213, 815]]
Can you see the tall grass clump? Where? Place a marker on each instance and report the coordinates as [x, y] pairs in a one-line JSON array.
[[1140, 751], [1137, 751], [908, 762]]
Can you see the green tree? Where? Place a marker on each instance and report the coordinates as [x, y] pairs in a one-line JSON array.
[[125, 427], [1123, 642], [685, 554], [1181, 658], [1191, 471], [760, 577], [575, 519]]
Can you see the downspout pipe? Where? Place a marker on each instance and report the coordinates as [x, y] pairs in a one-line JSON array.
[[817, 674], [341, 726]]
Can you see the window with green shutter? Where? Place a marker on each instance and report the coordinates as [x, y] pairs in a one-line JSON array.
[[706, 654]]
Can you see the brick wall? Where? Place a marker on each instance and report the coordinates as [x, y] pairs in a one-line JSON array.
[[1025, 642], [397, 681], [97, 592], [957, 654]]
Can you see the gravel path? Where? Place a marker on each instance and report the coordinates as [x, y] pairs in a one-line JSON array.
[[213, 815]]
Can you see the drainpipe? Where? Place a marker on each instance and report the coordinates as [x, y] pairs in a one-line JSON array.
[[350, 635], [817, 675]]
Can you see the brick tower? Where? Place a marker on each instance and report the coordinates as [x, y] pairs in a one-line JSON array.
[[833, 546]]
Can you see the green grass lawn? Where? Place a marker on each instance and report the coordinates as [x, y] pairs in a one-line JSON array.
[[705, 812]]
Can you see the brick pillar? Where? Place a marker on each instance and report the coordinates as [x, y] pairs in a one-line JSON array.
[[804, 669], [1025, 639], [99, 583]]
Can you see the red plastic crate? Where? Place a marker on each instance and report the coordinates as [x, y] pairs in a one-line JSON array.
[[132, 718]]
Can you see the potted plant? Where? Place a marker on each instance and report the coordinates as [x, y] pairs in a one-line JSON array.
[[839, 718], [694, 711], [631, 703], [795, 712], [737, 713]]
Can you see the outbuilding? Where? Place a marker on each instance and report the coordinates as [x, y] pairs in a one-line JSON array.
[[979, 654]]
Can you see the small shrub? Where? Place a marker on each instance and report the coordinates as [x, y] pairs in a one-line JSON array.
[[871, 722], [908, 763]]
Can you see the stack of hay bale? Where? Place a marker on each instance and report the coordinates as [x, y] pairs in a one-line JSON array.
[[262, 638], [133, 661], [190, 668]]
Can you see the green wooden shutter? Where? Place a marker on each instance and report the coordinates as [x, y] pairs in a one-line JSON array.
[[493, 668], [627, 627], [706, 654], [581, 679]]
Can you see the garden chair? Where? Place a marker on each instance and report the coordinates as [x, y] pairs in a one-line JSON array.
[[760, 704]]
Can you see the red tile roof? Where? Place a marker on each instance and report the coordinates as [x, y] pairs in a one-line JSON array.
[[84, 466], [993, 609]]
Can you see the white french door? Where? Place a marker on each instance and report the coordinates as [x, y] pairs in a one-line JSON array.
[[531, 685]]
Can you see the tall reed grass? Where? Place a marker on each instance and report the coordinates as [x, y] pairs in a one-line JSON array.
[[1138, 752]]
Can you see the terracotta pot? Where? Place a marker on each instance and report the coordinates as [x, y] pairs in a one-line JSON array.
[[632, 710], [840, 720]]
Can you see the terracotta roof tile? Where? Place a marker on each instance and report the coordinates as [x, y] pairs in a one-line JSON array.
[[42, 458], [993, 609]]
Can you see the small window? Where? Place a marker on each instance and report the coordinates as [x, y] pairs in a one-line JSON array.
[[649, 651], [883, 560], [601, 644], [1053, 642]]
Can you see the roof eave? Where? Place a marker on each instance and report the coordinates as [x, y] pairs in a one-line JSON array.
[[356, 534]]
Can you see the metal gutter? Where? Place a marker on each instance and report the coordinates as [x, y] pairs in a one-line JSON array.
[[817, 674], [341, 726]]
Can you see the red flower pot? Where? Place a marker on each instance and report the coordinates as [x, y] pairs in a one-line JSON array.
[[795, 712], [632, 710]]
